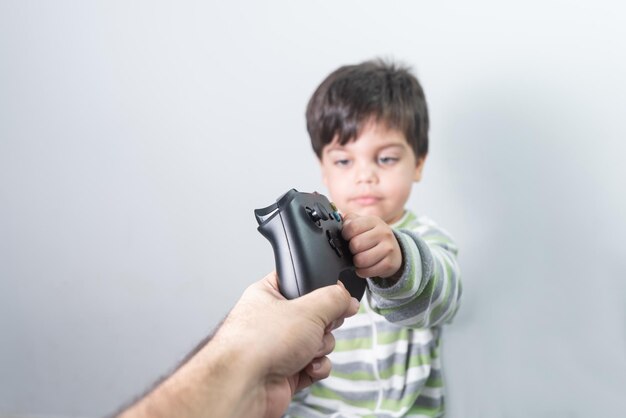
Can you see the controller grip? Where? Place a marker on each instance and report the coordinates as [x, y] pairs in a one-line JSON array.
[[273, 230]]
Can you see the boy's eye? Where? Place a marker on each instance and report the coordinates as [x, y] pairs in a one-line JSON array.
[[388, 160], [342, 162]]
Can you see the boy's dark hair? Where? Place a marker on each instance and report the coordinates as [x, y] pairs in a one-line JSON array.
[[377, 90]]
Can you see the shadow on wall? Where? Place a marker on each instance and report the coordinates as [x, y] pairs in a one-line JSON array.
[[544, 287]]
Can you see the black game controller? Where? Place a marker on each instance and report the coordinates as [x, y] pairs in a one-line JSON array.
[[305, 232]]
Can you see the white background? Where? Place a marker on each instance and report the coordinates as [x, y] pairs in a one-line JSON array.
[[137, 138]]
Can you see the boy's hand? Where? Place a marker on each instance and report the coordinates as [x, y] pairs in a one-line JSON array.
[[374, 246]]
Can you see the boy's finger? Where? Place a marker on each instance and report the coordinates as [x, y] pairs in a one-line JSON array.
[[363, 242], [348, 217], [348, 225], [358, 225]]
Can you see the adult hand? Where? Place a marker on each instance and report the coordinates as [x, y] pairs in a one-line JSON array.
[[266, 349], [290, 338]]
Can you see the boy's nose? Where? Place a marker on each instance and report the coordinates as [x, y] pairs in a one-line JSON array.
[[366, 173]]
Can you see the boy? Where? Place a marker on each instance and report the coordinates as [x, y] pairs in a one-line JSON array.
[[368, 125]]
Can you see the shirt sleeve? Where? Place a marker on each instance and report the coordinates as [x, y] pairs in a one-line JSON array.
[[428, 291]]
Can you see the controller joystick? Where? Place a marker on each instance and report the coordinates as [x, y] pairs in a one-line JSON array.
[[304, 230]]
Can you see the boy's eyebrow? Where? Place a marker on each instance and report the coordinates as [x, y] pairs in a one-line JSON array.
[[334, 148], [393, 146], [337, 147]]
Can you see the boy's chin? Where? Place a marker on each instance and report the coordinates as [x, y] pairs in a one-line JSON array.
[[373, 211]]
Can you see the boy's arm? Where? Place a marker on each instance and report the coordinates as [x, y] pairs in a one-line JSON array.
[[428, 289]]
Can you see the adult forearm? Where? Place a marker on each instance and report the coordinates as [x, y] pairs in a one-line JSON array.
[[216, 382]]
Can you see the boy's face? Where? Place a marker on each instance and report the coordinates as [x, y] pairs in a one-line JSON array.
[[373, 174]]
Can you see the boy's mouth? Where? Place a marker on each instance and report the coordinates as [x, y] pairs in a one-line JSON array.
[[366, 200]]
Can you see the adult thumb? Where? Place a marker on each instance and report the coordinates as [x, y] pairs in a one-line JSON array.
[[328, 303]]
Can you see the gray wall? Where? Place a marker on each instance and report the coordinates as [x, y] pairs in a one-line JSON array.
[[136, 138]]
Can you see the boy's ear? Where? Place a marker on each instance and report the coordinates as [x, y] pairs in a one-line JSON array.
[[419, 167]]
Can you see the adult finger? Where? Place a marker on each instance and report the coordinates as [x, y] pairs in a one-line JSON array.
[[328, 345], [319, 368], [334, 325]]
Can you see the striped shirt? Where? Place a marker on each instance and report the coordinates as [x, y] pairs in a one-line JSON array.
[[386, 361]]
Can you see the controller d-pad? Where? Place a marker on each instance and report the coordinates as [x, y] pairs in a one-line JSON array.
[[335, 243]]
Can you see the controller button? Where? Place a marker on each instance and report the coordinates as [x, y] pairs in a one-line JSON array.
[[321, 212], [336, 216]]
